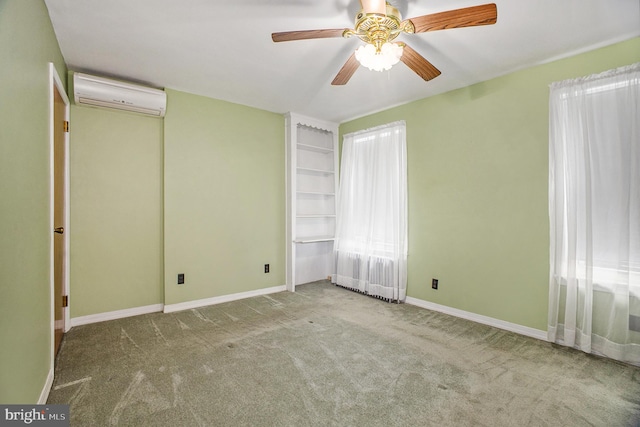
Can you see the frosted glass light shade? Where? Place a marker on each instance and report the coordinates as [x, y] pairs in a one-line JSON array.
[[374, 6], [388, 56]]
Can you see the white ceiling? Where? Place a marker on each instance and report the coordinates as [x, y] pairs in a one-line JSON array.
[[224, 50]]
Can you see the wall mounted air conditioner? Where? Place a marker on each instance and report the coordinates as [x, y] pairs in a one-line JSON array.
[[108, 93]]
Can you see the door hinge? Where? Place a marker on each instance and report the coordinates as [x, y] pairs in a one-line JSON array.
[[65, 300], [66, 125]]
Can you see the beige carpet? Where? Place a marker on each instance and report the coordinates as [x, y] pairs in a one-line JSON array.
[[325, 356]]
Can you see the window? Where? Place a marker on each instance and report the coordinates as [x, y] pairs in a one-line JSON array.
[[594, 211], [371, 236]]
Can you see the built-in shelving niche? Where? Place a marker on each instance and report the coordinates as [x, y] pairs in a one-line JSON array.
[[312, 184]]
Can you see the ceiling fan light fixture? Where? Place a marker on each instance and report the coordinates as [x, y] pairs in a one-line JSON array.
[[378, 28], [389, 55]]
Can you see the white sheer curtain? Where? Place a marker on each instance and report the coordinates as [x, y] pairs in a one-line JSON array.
[[371, 232], [594, 210]]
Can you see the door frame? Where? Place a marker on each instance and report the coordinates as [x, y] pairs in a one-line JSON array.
[[54, 81]]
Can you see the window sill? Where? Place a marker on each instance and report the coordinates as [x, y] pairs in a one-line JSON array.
[[610, 280]]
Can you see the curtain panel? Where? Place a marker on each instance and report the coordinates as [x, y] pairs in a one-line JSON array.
[[594, 212], [370, 247]]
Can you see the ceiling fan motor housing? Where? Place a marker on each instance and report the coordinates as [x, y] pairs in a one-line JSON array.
[[378, 29]]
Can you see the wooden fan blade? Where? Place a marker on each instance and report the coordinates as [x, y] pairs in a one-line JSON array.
[[306, 35], [374, 6], [346, 71], [418, 64], [486, 14]]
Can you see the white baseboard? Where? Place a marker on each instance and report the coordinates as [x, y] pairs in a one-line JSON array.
[[118, 314], [170, 308], [44, 395], [501, 324]]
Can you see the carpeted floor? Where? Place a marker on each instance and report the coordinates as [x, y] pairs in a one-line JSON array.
[[325, 356]]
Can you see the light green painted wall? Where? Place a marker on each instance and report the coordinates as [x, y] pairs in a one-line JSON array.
[[224, 198], [115, 162], [478, 176], [27, 45]]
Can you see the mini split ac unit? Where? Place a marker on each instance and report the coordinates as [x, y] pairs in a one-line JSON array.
[[108, 93]]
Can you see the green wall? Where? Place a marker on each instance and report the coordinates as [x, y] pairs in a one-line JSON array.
[[478, 177], [224, 200], [209, 204], [27, 45], [115, 210]]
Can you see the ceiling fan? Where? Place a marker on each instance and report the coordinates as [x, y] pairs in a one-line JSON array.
[[378, 23]]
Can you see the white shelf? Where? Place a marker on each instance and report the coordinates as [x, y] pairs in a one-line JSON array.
[[315, 239], [316, 193], [314, 148], [324, 172], [312, 184]]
